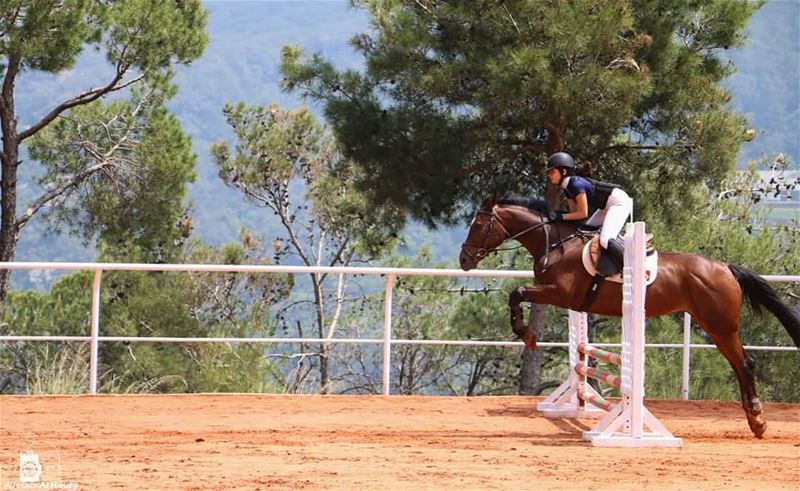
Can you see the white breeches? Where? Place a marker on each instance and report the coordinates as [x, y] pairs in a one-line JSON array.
[[613, 217]]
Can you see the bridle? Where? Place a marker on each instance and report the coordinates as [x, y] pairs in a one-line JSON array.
[[477, 253]]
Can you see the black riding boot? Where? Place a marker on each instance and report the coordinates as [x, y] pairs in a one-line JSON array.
[[610, 261], [616, 250]]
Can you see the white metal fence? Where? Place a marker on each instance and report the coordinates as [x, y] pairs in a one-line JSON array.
[[390, 273]]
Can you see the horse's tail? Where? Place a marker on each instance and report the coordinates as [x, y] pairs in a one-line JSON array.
[[758, 293]]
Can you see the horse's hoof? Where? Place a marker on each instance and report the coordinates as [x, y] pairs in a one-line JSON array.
[[758, 426]]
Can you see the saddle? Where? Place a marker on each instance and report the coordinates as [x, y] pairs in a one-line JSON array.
[[602, 268], [592, 253]]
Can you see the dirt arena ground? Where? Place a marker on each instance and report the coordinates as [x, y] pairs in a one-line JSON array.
[[165, 442]]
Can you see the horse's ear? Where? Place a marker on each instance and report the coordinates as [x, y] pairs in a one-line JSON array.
[[489, 202]]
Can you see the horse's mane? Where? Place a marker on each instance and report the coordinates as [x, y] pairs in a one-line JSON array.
[[534, 204]]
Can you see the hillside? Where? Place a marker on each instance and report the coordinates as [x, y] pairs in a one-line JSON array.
[[766, 87]]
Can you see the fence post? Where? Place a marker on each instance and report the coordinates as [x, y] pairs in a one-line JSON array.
[[387, 333], [687, 354], [98, 273]]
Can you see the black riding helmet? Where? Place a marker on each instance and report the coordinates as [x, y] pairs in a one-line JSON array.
[[561, 160]]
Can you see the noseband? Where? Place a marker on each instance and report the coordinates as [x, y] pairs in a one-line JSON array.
[[477, 253]]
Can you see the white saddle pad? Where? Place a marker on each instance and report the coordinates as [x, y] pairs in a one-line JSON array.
[[650, 266]]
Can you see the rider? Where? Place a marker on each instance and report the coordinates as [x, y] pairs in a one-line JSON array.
[[611, 204]]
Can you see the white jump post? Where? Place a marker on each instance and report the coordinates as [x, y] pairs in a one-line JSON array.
[[623, 424], [569, 399]]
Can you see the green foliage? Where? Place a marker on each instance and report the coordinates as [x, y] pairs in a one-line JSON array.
[[154, 35], [276, 149], [246, 40], [65, 370], [48, 35], [460, 99], [40, 367], [107, 168], [123, 170], [196, 305], [69, 301]]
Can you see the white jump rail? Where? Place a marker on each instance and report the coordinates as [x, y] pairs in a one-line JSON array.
[[390, 273]]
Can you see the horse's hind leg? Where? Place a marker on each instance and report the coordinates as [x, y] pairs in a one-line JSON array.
[[743, 366]]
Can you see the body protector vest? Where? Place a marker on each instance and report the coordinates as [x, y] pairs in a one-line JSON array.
[[597, 192]]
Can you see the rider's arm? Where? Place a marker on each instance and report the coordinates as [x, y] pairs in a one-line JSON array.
[[581, 209], [572, 205]]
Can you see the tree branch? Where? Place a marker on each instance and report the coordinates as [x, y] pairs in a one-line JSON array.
[[339, 301], [424, 7], [104, 161], [649, 147], [46, 198], [323, 237], [283, 214], [512, 19], [84, 98], [337, 257], [491, 162]]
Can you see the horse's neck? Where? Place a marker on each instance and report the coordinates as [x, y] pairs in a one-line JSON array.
[[532, 229], [561, 231], [540, 238]]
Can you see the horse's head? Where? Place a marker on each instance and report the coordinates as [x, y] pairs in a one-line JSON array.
[[494, 224], [485, 233]]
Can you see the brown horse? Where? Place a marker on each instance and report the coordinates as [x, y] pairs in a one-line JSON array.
[[711, 291]]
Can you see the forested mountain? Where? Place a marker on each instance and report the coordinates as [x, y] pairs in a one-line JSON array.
[[766, 87], [241, 65]]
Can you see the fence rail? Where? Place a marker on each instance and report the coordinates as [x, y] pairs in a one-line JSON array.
[[390, 273]]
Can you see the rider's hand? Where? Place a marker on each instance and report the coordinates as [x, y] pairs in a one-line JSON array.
[[555, 216]]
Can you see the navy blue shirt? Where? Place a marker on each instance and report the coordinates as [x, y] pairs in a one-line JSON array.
[[577, 185], [596, 192]]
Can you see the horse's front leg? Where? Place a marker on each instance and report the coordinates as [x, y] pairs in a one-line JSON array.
[[541, 294]]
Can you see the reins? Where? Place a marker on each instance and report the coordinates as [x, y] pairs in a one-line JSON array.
[[478, 253], [481, 252]]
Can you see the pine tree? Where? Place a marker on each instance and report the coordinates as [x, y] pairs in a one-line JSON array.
[[142, 40], [460, 99]]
